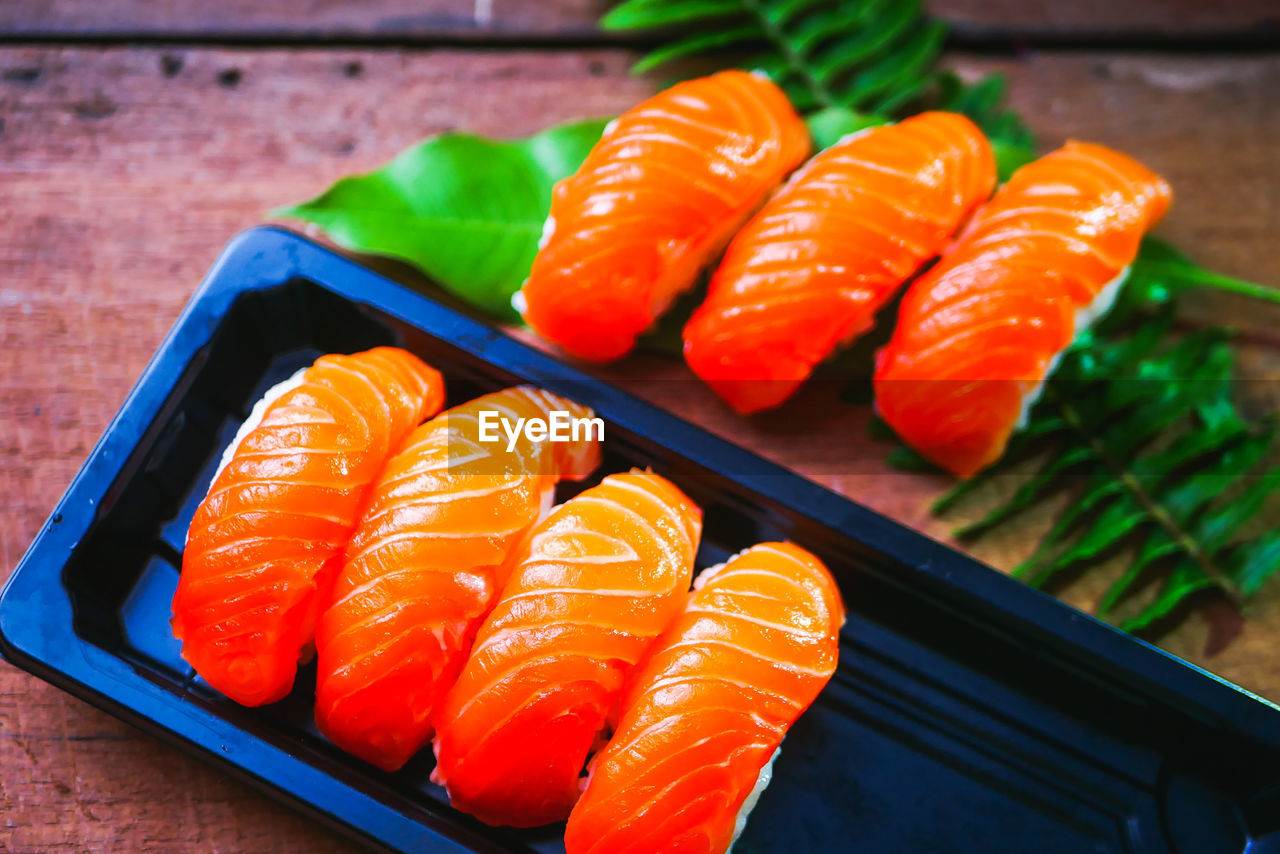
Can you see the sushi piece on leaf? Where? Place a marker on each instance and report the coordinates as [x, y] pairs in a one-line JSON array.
[[656, 200], [808, 273], [978, 334]]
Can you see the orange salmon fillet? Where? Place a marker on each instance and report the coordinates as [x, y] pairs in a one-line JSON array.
[[810, 270], [752, 650], [597, 583], [657, 198], [265, 543], [423, 569], [980, 332]]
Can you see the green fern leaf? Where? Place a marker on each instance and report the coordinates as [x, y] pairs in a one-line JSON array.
[[1183, 582], [831, 23], [1152, 552], [1251, 564], [1165, 267], [904, 68], [905, 459], [1216, 528], [866, 55], [697, 44], [1233, 453], [1100, 491], [879, 24], [1152, 429], [1034, 488], [1121, 515], [651, 14]]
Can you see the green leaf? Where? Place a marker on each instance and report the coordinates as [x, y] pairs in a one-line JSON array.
[[1151, 425], [1120, 518], [1153, 550], [905, 459], [829, 126], [1184, 581], [1230, 459], [1252, 564], [1160, 262], [833, 22], [866, 55], [466, 210], [1032, 489], [1217, 527], [696, 44], [650, 14], [1010, 157], [881, 24], [1183, 497], [904, 68]]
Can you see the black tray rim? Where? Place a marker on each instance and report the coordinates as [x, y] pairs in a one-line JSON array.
[[267, 256]]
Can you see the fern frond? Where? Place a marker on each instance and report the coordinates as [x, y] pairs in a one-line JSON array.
[[1150, 444], [865, 55]]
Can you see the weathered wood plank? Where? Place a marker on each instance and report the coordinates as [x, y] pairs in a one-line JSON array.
[[393, 21], [124, 171]]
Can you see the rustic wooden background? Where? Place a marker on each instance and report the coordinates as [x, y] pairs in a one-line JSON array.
[[137, 136]]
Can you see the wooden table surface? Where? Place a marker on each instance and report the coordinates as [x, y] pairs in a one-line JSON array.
[[137, 137]]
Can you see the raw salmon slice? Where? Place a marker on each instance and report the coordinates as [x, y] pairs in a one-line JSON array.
[[600, 578], [704, 716], [423, 568], [979, 333], [808, 273], [264, 545], [656, 199]]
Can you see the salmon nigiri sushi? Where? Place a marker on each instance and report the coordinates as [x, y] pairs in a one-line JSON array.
[[808, 273], [598, 581], [980, 332], [423, 568], [657, 198], [267, 540], [703, 718]]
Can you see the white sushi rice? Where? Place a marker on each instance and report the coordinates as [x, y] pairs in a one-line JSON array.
[[701, 579], [766, 773], [1085, 317], [762, 782], [256, 415], [518, 302]]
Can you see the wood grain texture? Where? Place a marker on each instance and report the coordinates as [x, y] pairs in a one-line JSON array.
[[397, 20], [124, 171]]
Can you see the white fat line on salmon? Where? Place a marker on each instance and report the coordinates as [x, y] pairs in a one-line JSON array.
[[559, 426]]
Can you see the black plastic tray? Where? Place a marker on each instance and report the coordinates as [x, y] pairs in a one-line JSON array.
[[969, 712]]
